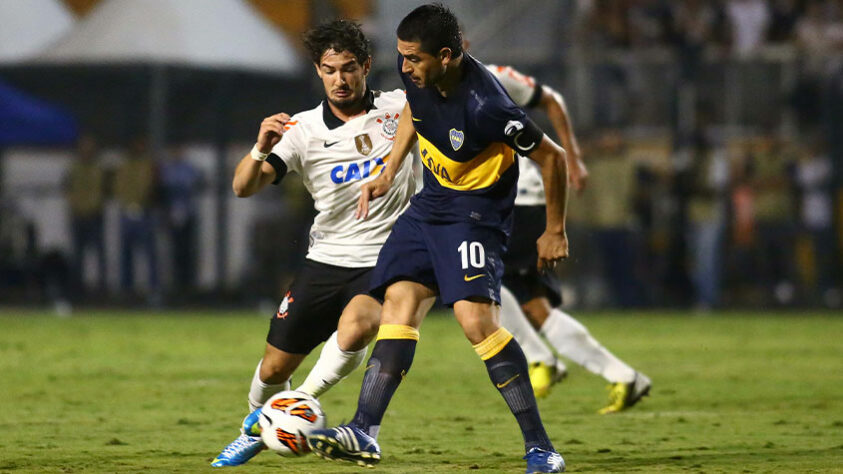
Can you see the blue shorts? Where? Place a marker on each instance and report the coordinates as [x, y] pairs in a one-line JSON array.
[[459, 260]]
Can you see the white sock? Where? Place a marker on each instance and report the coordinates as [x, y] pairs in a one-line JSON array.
[[260, 391], [572, 340], [515, 321], [334, 364]]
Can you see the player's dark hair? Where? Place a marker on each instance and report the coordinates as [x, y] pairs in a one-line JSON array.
[[339, 35], [434, 26]]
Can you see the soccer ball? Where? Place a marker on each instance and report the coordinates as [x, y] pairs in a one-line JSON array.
[[286, 420]]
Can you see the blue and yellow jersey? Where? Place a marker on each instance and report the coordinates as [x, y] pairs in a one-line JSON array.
[[467, 144]]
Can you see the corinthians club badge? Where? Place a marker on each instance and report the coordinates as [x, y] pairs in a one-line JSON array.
[[389, 126]]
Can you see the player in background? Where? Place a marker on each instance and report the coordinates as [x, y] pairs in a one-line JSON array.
[[537, 294], [451, 238], [335, 148]]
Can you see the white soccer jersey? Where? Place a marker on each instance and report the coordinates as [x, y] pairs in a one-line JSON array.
[[521, 89], [334, 159]]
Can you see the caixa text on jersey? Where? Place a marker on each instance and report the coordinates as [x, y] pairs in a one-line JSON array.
[[354, 171]]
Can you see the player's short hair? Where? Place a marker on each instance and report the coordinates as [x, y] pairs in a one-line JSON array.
[[434, 26], [339, 35]]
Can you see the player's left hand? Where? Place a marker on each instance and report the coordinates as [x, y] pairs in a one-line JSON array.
[[553, 247], [370, 191]]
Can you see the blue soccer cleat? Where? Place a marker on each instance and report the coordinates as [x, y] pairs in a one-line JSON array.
[[245, 447], [239, 452], [251, 424], [345, 443], [539, 460]]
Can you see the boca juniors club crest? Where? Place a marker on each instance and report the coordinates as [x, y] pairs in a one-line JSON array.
[[457, 137], [363, 143], [389, 126]]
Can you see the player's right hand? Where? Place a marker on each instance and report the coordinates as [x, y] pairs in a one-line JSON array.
[[370, 191], [272, 129], [552, 247]]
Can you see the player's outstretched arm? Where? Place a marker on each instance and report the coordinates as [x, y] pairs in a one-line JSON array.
[[553, 243], [405, 138], [554, 106], [253, 172]]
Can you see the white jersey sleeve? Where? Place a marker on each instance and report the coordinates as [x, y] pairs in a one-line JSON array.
[[290, 149], [522, 89]]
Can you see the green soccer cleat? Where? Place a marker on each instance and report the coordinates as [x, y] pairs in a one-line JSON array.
[[543, 376], [625, 395]]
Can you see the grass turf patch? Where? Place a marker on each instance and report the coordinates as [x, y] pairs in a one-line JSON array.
[[165, 392]]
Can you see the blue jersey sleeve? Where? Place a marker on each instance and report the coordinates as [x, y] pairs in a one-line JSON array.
[[502, 121]]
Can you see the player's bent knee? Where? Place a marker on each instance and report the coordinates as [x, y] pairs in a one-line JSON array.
[[277, 366], [359, 323], [355, 333], [537, 310], [402, 303], [476, 319]]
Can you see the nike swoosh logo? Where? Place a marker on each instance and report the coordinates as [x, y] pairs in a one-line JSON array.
[[368, 367], [502, 385], [326, 144], [468, 278], [416, 119]]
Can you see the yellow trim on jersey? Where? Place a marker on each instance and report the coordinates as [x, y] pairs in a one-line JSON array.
[[493, 344], [397, 331], [480, 172]]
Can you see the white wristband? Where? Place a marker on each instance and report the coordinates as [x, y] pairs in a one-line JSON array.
[[257, 155]]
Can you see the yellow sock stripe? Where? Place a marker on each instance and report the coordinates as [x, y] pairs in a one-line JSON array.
[[493, 344], [397, 331]]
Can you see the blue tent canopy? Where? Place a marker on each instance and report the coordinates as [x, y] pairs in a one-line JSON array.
[[25, 120]]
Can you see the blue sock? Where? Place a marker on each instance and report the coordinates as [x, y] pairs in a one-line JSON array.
[[391, 360], [507, 369]]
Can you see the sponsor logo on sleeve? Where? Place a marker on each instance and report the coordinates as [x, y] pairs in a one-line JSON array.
[[512, 127]]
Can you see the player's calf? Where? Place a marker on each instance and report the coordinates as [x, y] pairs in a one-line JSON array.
[[507, 369]]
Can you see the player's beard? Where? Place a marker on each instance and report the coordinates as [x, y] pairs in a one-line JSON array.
[[349, 103]]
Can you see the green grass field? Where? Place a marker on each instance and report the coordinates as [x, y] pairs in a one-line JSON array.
[[164, 392]]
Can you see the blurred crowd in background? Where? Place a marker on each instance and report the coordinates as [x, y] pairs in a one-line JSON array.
[[711, 131]]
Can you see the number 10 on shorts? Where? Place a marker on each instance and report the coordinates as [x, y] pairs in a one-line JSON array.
[[473, 253]]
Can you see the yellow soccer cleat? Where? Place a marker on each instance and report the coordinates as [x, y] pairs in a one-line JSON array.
[[543, 376], [625, 395]]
